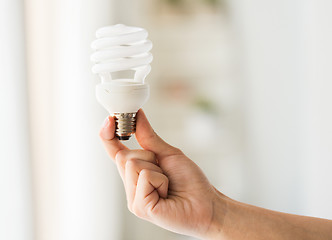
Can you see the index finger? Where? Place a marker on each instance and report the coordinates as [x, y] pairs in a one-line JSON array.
[[110, 142]]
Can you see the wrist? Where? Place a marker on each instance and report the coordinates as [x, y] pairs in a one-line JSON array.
[[216, 227]]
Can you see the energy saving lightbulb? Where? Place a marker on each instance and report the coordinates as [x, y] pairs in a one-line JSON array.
[[119, 48]]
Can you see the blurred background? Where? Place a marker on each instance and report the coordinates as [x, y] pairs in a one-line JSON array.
[[242, 87]]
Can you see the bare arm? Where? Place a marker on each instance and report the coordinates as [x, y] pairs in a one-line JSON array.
[[165, 187], [243, 221]]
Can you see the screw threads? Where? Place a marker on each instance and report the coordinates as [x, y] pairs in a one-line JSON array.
[[125, 125]]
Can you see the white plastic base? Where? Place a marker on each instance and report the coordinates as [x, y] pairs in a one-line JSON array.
[[122, 95]]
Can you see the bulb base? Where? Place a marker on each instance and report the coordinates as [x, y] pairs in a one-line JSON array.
[[125, 125]]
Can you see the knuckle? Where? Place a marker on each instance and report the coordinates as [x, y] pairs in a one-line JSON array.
[[131, 163], [130, 208], [138, 211], [177, 151], [145, 173], [165, 179], [101, 134], [121, 155], [152, 155], [120, 158], [140, 150], [133, 155], [145, 155]]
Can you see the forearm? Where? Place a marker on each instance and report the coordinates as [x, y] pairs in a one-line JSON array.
[[165, 187], [242, 221]]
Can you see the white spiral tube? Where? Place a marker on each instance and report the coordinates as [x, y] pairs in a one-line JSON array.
[[119, 48]]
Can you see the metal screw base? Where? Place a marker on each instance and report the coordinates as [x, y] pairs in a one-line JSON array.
[[125, 124]]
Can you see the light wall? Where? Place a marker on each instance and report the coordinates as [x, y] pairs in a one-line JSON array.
[[16, 212], [75, 183], [287, 103]]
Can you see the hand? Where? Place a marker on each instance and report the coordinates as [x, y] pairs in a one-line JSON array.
[[164, 186]]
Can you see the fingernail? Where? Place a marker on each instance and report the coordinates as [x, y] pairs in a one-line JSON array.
[[106, 123], [105, 131]]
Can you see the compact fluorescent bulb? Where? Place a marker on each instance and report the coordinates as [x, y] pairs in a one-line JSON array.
[[118, 48]]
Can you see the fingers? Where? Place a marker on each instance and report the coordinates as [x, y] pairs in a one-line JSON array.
[[144, 180], [107, 135], [124, 155], [151, 187], [145, 135], [149, 140], [141, 175], [133, 169]]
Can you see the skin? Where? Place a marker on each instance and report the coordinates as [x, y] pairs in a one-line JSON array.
[[167, 188]]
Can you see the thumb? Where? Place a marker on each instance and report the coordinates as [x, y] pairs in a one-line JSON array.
[[149, 140], [107, 135]]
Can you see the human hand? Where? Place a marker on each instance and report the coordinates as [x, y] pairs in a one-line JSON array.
[[164, 186]]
